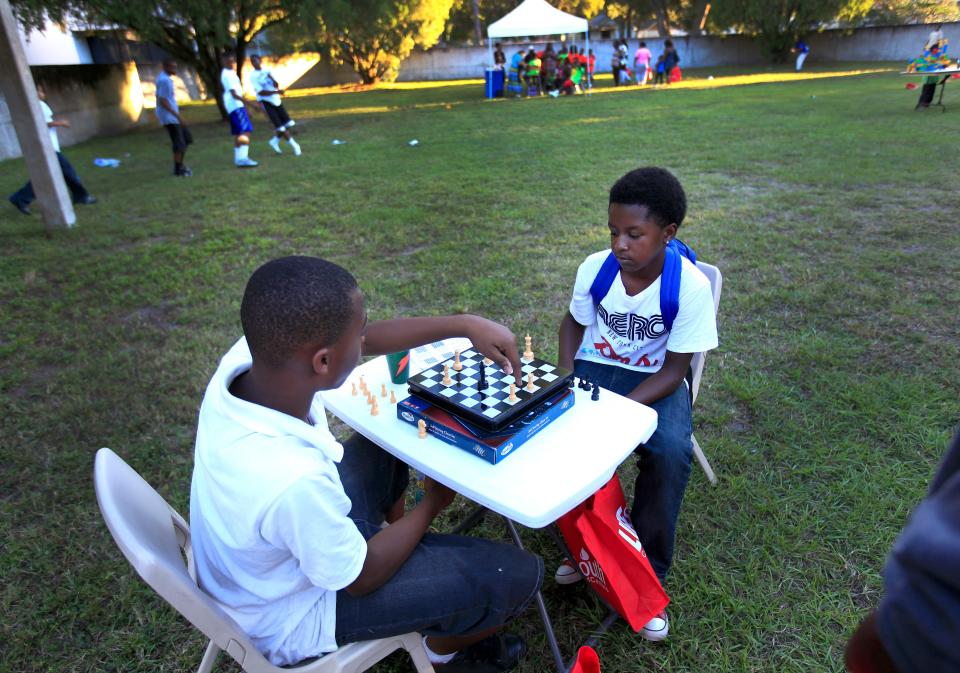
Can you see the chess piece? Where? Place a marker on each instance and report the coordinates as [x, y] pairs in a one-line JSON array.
[[374, 409], [530, 387], [482, 381], [446, 376], [595, 395], [353, 389], [422, 429], [513, 392], [487, 361], [371, 400], [457, 365], [383, 390], [527, 351], [363, 384], [393, 398]]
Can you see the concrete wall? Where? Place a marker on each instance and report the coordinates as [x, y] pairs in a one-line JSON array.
[[54, 46], [95, 99], [895, 43]]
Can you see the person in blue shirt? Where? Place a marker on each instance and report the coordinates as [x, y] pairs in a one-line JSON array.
[[915, 627], [168, 114], [801, 49]]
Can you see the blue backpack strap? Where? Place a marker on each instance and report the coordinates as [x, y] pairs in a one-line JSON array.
[[601, 284], [670, 280]]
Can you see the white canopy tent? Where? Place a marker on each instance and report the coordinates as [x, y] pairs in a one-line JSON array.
[[536, 17]]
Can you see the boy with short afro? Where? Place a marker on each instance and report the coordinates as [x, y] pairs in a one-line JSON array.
[[287, 523], [622, 344]]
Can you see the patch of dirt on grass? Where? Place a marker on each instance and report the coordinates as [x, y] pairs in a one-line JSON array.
[[35, 382], [158, 316]]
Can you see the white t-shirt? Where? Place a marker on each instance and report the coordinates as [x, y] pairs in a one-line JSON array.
[[263, 81], [48, 117], [629, 331], [230, 82], [268, 515]]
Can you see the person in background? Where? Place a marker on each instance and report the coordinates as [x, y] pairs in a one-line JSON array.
[[268, 93], [168, 113], [591, 64], [23, 197], [915, 627], [670, 59], [499, 58], [658, 77], [641, 63], [532, 73], [236, 106], [936, 35], [549, 71], [801, 49], [514, 79], [615, 65]]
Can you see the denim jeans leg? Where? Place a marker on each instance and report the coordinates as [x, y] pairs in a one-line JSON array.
[[371, 478], [77, 191], [664, 462], [664, 468]]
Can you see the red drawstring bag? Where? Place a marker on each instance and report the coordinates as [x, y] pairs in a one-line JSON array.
[[676, 74], [609, 555], [587, 661]]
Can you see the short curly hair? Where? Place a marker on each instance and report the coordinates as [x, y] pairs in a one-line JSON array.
[[292, 301], [657, 189]]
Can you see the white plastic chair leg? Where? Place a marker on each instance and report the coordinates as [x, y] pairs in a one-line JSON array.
[[704, 463], [209, 658]]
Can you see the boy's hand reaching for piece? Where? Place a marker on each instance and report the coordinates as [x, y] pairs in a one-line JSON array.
[[496, 342]]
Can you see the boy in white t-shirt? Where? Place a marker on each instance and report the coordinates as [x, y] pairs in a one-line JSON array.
[[623, 345], [268, 93], [287, 523], [236, 106]]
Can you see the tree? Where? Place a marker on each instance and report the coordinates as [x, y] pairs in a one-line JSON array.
[[195, 32], [780, 24], [374, 36]]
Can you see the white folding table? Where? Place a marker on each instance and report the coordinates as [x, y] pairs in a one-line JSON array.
[[544, 478]]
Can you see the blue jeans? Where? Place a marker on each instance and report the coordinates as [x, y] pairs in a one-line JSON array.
[[664, 462], [450, 585], [78, 192]]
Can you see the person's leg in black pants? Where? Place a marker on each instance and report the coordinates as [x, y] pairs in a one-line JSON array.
[[78, 192]]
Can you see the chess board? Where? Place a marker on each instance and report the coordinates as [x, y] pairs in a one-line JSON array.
[[490, 408]]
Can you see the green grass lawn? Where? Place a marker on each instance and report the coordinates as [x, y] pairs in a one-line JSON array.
[[828, 203]]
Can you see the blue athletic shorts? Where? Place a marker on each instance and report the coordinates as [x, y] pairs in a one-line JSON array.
[[240, 122]]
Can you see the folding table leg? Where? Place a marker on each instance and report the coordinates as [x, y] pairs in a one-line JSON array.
[[541, 606]]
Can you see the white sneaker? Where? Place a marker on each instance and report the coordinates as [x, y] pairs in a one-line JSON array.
[[567, 574], [274, 142], [296, 148], [246, 163], [657, 628]]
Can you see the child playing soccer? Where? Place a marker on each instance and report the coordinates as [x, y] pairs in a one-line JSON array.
[[23, 197], [236, 107], [622, 344], [287, 523], [268, 93]]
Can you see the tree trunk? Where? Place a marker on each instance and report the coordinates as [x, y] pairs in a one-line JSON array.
[[663, 19], [478, 33]]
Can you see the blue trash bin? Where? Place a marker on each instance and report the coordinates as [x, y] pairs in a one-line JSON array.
[[493, 82]]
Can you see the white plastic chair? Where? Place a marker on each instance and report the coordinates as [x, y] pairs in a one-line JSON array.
[[716, 285], [156, 541]]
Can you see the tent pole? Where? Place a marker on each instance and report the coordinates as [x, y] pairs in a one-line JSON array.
[[589, 76]]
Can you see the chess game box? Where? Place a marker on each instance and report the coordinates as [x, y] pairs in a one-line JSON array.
[[490, 445]]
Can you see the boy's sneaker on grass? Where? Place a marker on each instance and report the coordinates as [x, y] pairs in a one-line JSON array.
[[567, 574], [296, 147], [22, 207], [657, 628], [183, 172], [274, 142], [498, 653], [246, 163]]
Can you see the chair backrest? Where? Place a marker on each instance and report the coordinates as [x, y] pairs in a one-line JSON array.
[[716, 285], [156, 540]]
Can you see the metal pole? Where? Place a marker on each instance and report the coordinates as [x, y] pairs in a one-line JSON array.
[[18, 88]]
